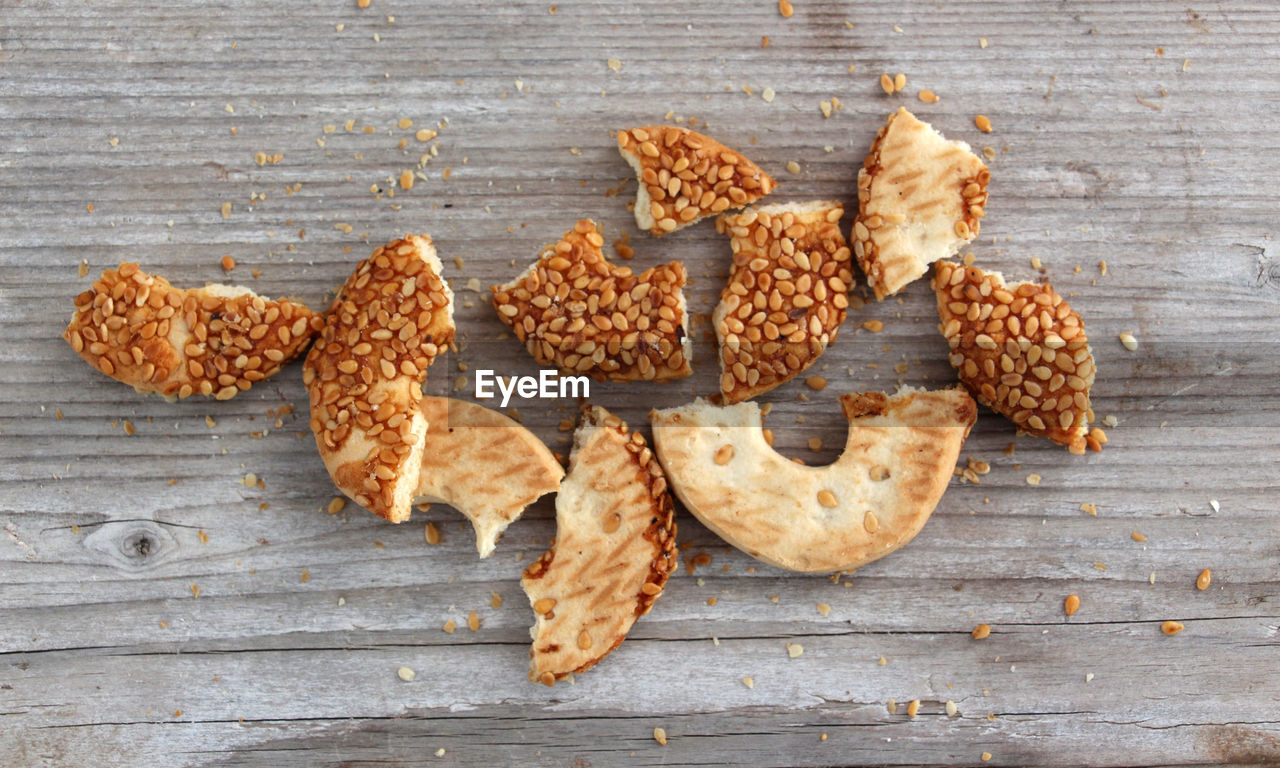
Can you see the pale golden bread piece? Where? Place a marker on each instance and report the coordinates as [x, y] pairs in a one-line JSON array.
[[1021, 350], [385, 327], [483, 464], [615, 546], [896, 464], [786, 297], [684, 176], [575, 310], [217, 340], [920, 198]]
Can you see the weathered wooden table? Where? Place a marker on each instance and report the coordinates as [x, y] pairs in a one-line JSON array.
[[157, 610]]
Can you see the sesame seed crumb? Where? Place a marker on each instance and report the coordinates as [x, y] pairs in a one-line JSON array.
[[882, 660], [767, 94], [450, 625], [824, 609], [226, 210], [794, 650], [913, 708], [982, 42], [614, 64], [1091, 509], [406, 674], [440, 752], [986, 756], [660, 736], [951, 708], [1033, 479], [1216, 506], [473, 622], [749, 682]]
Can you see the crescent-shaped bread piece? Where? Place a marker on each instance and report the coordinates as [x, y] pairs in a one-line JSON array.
[[576, 311], [1021, 350], [685, 176], [615, 546], [787, 295], [386, 325], [483, 464], [920, 199], [217, 340], [897, 461]]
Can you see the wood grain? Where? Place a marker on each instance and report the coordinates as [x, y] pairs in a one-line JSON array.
[[1139, 133]]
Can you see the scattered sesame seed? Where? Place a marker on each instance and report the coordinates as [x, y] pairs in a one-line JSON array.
[[660, 734], [983, 122], [226, 210], [1202, 581], [951, 708], [195, 590], [875, 326], [824, 609], [440, 752], [432, 534], [336, 504], [405, 673], [767, 94], [794, 650], [892, 706], [899, 81], [614, 64], [886, 83], [817, 383], [228, 263], [473, 622], [793, 167], [981, 632], [785, 8], [1138, 536], [913, 708], [986, 756], [1171, 627], [1216, 506], [982, 42], [1071, 604], [927, 96], [1129, 342], [882, 660], [406, 180], [1033, 479], [749, 682]]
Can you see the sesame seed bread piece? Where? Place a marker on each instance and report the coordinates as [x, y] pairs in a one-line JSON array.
[[575, 310], [685, 176], [896, 464], [920, 199], [483, 464], [217, 340], [1021, 350], [385, 327], [615, 546], [786, 297]]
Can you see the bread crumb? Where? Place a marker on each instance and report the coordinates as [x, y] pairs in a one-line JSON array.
[[473, 622], [749, 682], [767, 94], [614, 64], [951, 708], [982, 42], [1033, 479], [1091, 509], [986, 756], [450, 625], [824, 609], [794, 650], [913, 708], [660, 736], [195, 590], [226, 210]]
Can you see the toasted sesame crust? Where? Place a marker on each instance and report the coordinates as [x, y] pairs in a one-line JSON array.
[[896, 464], [576, 311], [920, 199], [217, 340], [615, 547], [386, 326], [483, 464], [685, 176], [786, 297], [1020, 349]]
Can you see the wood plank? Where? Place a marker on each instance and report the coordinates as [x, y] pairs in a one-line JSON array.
[[1133, 132]]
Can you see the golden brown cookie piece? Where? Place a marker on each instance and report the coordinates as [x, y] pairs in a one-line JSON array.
[[483, 464], [786, 297], [390, 320], [218, 340], [897, 462], [1021, 350], [920, 198], [685, 176], [615, 546], [574, 310]]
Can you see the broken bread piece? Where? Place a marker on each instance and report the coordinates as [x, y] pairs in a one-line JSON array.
[[615, 546], [788, 293], [385, 327], [1021, 350], [684, 176], [575, 310], [897, 461], [217, 340], [920, 199], [483, 464]]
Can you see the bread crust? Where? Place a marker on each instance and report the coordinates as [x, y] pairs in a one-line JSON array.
[[390, 320], [217, 340], [685, 176], [1020, 349], [575, 310], [897, 462], [920, 199], [615, 546], [786, 296], [483, 464]]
